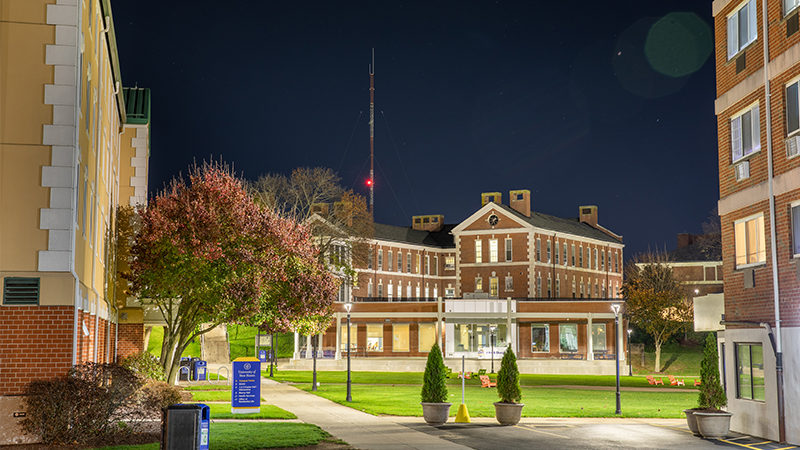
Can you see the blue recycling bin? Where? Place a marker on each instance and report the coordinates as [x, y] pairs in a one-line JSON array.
[[262, 355], [199, 370], [185, 427]]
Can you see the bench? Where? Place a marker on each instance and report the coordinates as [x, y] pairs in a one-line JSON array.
[[605, 356], [486, 382], [572, 356]]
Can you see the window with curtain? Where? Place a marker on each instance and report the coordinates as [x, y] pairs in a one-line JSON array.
[[745, 134], [749, 241], [742, 27]]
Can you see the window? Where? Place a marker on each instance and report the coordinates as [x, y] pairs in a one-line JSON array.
[[540, 338], [390, 290], [369, 258], [399, 262], [598, 336], [616, 265], [380, 259], [792, 111], [568, 337], [539, 286], [603, 260], [508, 249], [478, 251], [418, 291], [558, 287], [408, 290], [493, 250], [427, 336], [596, 289], [380, 289], [565, 253], [375, 338], [549, 254], [400, 337], [509, 283], [580, 256], [353, 337], [436, 265], [549, 287], [478, 284], [538, 249], [742, 28], [449, 263], [20, 291], [369, 289], [573, 287], [573, 255], [450, 293], [789, 6], [389, 261], [493, 287], [749, 241], [594, 256], [745, 134], [416, 267], [427, 264], [603, 290], [408, 262], [558, 252], [750, 367], [427, 291], [581, 288], [796, 229]]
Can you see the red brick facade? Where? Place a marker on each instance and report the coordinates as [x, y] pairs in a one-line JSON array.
[[130, 339]]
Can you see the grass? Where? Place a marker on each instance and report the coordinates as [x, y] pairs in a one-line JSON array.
[[223, 411], [211, 396], [540, 402], [208, 387], [242, 342], [252, 436]]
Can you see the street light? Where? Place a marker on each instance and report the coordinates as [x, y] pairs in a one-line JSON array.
[[630, 362], [492, 328], [615, 307], [347, 306]]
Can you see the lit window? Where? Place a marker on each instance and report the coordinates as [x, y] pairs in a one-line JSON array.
[[749, 239], [449, 263], [742, 28], [745, 134], [540, 338], [493, 250], [390, 290], [400, 337], [750, 367], [568, 337], [369, 289], [353, 336], [418, 263], [478, 284], [427, 336], [375, 338], [493, 287], [598, 336], [427, 265], [478, 251]]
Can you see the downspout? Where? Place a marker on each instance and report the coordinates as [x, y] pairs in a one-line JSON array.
[[772, 238], [75, 170]]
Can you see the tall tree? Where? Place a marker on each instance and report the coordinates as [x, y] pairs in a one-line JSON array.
[[654, 299], [206, 252]]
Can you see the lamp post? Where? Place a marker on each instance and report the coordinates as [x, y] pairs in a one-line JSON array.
[[630, 363], [615, 307], [347, 306], [273, 359], [492, 328], [314, 355]]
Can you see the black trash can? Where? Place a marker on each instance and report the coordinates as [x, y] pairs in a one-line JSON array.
[[185, 427], [184, 370]]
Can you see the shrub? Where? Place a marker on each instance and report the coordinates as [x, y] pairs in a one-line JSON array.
[[89, 401], [434, 382], [145, 365], [711, 396], [157, 395], [508, 379]]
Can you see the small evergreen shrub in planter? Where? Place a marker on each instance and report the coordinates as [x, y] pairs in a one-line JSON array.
[[712, 422], [508, 411], [435, 408]]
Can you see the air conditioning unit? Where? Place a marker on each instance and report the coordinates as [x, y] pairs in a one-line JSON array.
[[742, 170], [793, 146]]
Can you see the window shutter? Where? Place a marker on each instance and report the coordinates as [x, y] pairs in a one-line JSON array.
[[732, 36], [736, 138], [752, 21]]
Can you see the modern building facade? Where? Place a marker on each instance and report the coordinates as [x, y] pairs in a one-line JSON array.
[[505, 275], [758, 70], [74, 146]]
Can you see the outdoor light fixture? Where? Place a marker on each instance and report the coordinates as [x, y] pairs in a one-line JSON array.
[[615, 307], [492, 328], [347, 306]]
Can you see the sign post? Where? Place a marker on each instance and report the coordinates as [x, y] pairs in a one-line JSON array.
[[246, 395]]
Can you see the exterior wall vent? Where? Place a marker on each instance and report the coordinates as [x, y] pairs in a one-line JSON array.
[[21, 291]]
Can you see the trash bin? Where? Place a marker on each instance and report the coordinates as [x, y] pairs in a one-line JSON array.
[[262, 355], [199, 370], [184, 370], [185, 427]]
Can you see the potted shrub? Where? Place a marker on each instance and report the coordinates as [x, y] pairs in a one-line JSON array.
[[507, 410], [712, 422], [435, 408]]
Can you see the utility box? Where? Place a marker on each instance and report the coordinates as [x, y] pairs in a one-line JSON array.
[[185, 427], [199, 370]]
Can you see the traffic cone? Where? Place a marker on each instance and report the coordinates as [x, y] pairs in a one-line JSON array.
[[463, 415]]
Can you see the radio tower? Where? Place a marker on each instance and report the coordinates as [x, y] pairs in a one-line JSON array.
[[371, 180]]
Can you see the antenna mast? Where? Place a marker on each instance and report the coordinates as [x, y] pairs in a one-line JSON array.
[[372, 133]]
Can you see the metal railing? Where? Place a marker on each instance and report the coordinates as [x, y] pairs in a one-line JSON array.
[[394, 299]]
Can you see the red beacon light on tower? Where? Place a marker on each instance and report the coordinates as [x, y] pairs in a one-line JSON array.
[[369, 182]]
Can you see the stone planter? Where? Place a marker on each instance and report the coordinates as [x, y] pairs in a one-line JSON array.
[[713, 425], [508, 413], [691, 421], [436, 413]]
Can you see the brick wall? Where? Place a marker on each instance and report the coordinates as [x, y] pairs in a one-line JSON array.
[[35, 343], [130, 339]]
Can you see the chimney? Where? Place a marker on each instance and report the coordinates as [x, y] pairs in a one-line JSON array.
[[488, 197], [589, 215], [520, 201], [432, 223], [686, 239], [321, 209]]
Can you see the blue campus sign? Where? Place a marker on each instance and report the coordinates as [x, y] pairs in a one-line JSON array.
[[246, 396]]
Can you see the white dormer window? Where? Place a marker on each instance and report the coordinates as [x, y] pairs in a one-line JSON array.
[[742, 27]]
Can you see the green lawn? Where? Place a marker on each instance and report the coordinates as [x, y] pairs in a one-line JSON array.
[[211, 396], [403, 400], [223, 411], [253, 436], [242, 342], [208, 387]]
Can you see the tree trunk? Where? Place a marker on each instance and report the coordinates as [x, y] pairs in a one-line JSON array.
[[658, 344], [147, 331]]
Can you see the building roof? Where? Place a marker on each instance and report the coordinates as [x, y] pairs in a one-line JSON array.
[[694, 252], [408, 235], [571, 226]]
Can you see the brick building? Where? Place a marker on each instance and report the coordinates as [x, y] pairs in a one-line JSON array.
[[73, 147], [758, 68], [506, 271]]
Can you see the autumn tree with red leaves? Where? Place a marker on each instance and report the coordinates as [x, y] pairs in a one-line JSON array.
[[207, 253]]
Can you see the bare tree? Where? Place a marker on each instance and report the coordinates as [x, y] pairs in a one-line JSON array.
[[710, 242]]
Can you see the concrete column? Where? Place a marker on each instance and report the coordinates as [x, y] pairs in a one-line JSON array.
[[296, 346], [309, 350], [508, 327], [338, 336], [589, 343], [439, 324]]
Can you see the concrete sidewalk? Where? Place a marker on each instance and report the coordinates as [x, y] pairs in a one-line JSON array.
[[361, 430]]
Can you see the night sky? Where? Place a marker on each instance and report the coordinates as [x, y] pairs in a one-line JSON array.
[[583, 103]]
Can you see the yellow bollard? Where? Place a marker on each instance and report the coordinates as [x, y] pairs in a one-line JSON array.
[[463, 415]]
